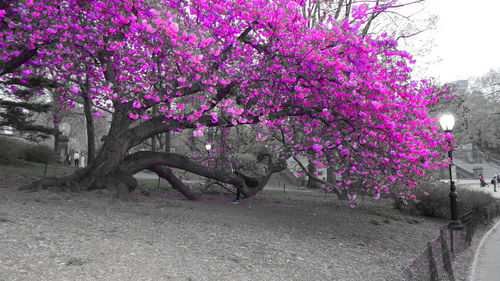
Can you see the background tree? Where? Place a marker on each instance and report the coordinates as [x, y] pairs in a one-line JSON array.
[[483, 102], [15, 116], [18, 112]]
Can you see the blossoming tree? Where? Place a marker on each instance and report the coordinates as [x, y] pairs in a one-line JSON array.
[[327, 89]]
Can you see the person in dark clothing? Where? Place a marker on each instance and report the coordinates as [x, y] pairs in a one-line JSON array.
[[494, 182], [481, 180], [76, 158], [237, 198]]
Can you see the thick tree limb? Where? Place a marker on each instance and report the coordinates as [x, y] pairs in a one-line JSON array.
[[148, 160], [33, 82], [13, 64], [315, 178], [27, 105], [175, 182]]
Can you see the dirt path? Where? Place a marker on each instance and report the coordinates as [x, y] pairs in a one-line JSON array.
[[88, 236]]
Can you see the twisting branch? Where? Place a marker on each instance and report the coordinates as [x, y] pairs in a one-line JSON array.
[[13, 64], [148, 160], [315, 178]]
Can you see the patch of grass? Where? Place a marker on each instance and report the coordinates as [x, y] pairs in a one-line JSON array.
[[36, 170], [412, 221], [384, 214], [152, 184]]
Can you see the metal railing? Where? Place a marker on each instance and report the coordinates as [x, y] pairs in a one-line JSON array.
[[463, 173], [436, 260]]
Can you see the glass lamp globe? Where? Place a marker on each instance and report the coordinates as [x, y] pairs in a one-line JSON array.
[[447, 121], [208, 146]]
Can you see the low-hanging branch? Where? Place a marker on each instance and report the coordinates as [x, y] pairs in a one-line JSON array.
[[315, 178], [145, 160]]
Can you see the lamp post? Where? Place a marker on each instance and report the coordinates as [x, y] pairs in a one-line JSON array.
[[208, 146], [447, 121]]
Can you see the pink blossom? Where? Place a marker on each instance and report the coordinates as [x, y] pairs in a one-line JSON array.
[[27, 72], [174, 27]]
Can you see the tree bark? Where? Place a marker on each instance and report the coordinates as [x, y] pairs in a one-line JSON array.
[[57, 145], [168, 141], [330, 176], [154, 139], [89, 119], [311, 183]]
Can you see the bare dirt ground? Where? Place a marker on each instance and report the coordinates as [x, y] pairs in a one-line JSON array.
[[297, 236]]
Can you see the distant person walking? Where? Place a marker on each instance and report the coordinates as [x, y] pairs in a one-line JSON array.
[[494, 182], [481, 180], [82, 160], [76, 158]]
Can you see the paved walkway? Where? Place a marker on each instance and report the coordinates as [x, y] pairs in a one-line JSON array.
[[486, 265], [474, 184]]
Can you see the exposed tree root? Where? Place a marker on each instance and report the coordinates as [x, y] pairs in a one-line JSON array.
[[119, 183]]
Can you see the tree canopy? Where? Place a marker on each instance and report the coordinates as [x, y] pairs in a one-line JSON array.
[[329, 89]]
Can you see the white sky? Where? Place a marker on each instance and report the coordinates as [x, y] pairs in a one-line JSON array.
[[467, 39]]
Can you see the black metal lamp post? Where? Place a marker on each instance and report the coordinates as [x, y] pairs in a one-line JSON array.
[[447, 121], [208, 146]]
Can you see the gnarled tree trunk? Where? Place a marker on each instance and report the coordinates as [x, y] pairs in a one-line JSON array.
[[113, 169], [105, 171]]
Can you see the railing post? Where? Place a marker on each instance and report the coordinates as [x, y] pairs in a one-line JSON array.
[[446, 255], [452, 247], [432, 263]]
